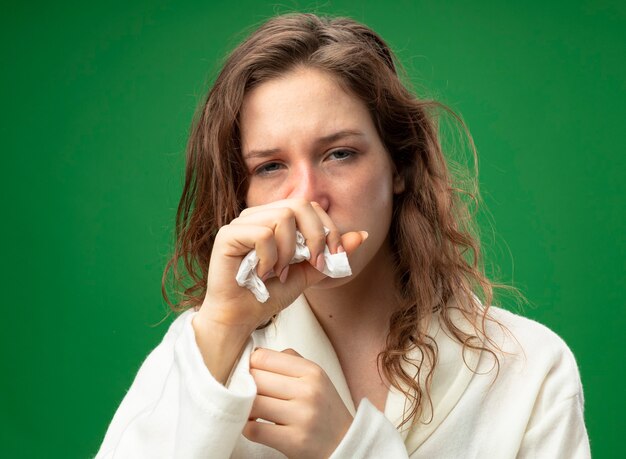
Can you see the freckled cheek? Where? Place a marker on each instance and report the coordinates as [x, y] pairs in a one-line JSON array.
[[376, 189], [258, 195], [363, 202]]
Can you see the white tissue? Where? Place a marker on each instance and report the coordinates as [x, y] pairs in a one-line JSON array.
[[336, 265]]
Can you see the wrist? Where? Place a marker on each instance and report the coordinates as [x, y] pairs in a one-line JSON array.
[[219, 345]]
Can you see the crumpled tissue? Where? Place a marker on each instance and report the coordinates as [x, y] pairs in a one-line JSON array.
[[336, 266]]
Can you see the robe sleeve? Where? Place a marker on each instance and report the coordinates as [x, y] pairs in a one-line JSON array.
[[371, 435], [560, 432], [556, 427], [176, 408]]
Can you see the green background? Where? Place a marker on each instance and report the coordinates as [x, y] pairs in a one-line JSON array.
[[97, 101]]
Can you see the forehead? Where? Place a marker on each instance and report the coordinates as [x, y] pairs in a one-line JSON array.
[[302, 104]]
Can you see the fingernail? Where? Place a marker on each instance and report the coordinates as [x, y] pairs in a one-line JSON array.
[[283, 274], [268, 275], [340, 249], [319, 263], [364, 235]]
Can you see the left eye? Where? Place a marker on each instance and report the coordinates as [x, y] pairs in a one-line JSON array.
[[341, 154]]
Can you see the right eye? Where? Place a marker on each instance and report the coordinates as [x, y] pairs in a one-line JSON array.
[[267, 168]]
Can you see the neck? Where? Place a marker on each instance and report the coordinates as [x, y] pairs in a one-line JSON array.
[[362, 307]]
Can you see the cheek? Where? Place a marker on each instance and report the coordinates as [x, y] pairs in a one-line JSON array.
[[376, 187], [252, 197], [365, 200], [258, 195]]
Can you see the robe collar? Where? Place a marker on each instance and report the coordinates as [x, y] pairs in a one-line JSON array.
[[298, 328]]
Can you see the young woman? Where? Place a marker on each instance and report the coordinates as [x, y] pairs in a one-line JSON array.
[[308, 132]]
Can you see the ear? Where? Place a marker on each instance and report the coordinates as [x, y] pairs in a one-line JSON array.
[[398, 183]]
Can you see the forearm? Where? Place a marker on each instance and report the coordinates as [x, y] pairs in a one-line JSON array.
[[176, 408], [219, 345]]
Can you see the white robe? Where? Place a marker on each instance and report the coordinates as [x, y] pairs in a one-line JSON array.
[[175, 408]]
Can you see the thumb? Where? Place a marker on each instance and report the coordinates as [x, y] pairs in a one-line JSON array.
[[352, 240], [290, 352]]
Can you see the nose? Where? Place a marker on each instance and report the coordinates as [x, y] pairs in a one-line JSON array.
[[308, 183]]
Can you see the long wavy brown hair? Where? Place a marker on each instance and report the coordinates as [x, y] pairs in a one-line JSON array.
[[433, 241]]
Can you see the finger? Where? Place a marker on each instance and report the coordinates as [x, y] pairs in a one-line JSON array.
[[279, 362], [350, 242], [312, 228], [270, 205], [333, 238], [303, 275], [286, 239], [307, 222], [291, 351], [272, 435], [237, 241], [274, 384], [271, 409], [265, 247], [353, 240], [282, 222]]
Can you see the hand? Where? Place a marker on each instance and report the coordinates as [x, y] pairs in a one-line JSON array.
[[270, 229], [309, 418], [230, 313]]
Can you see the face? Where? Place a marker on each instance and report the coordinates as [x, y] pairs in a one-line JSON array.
[[303, 136]]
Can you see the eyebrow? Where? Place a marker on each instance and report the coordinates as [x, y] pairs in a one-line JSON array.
[[320, 141]]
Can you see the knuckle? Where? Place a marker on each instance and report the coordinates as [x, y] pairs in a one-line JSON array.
[[221, 233], [259, 357], [286, 213], [314, 369], [266, 235], [250, 431], [311, 393], [316, 374], [301, 203]]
